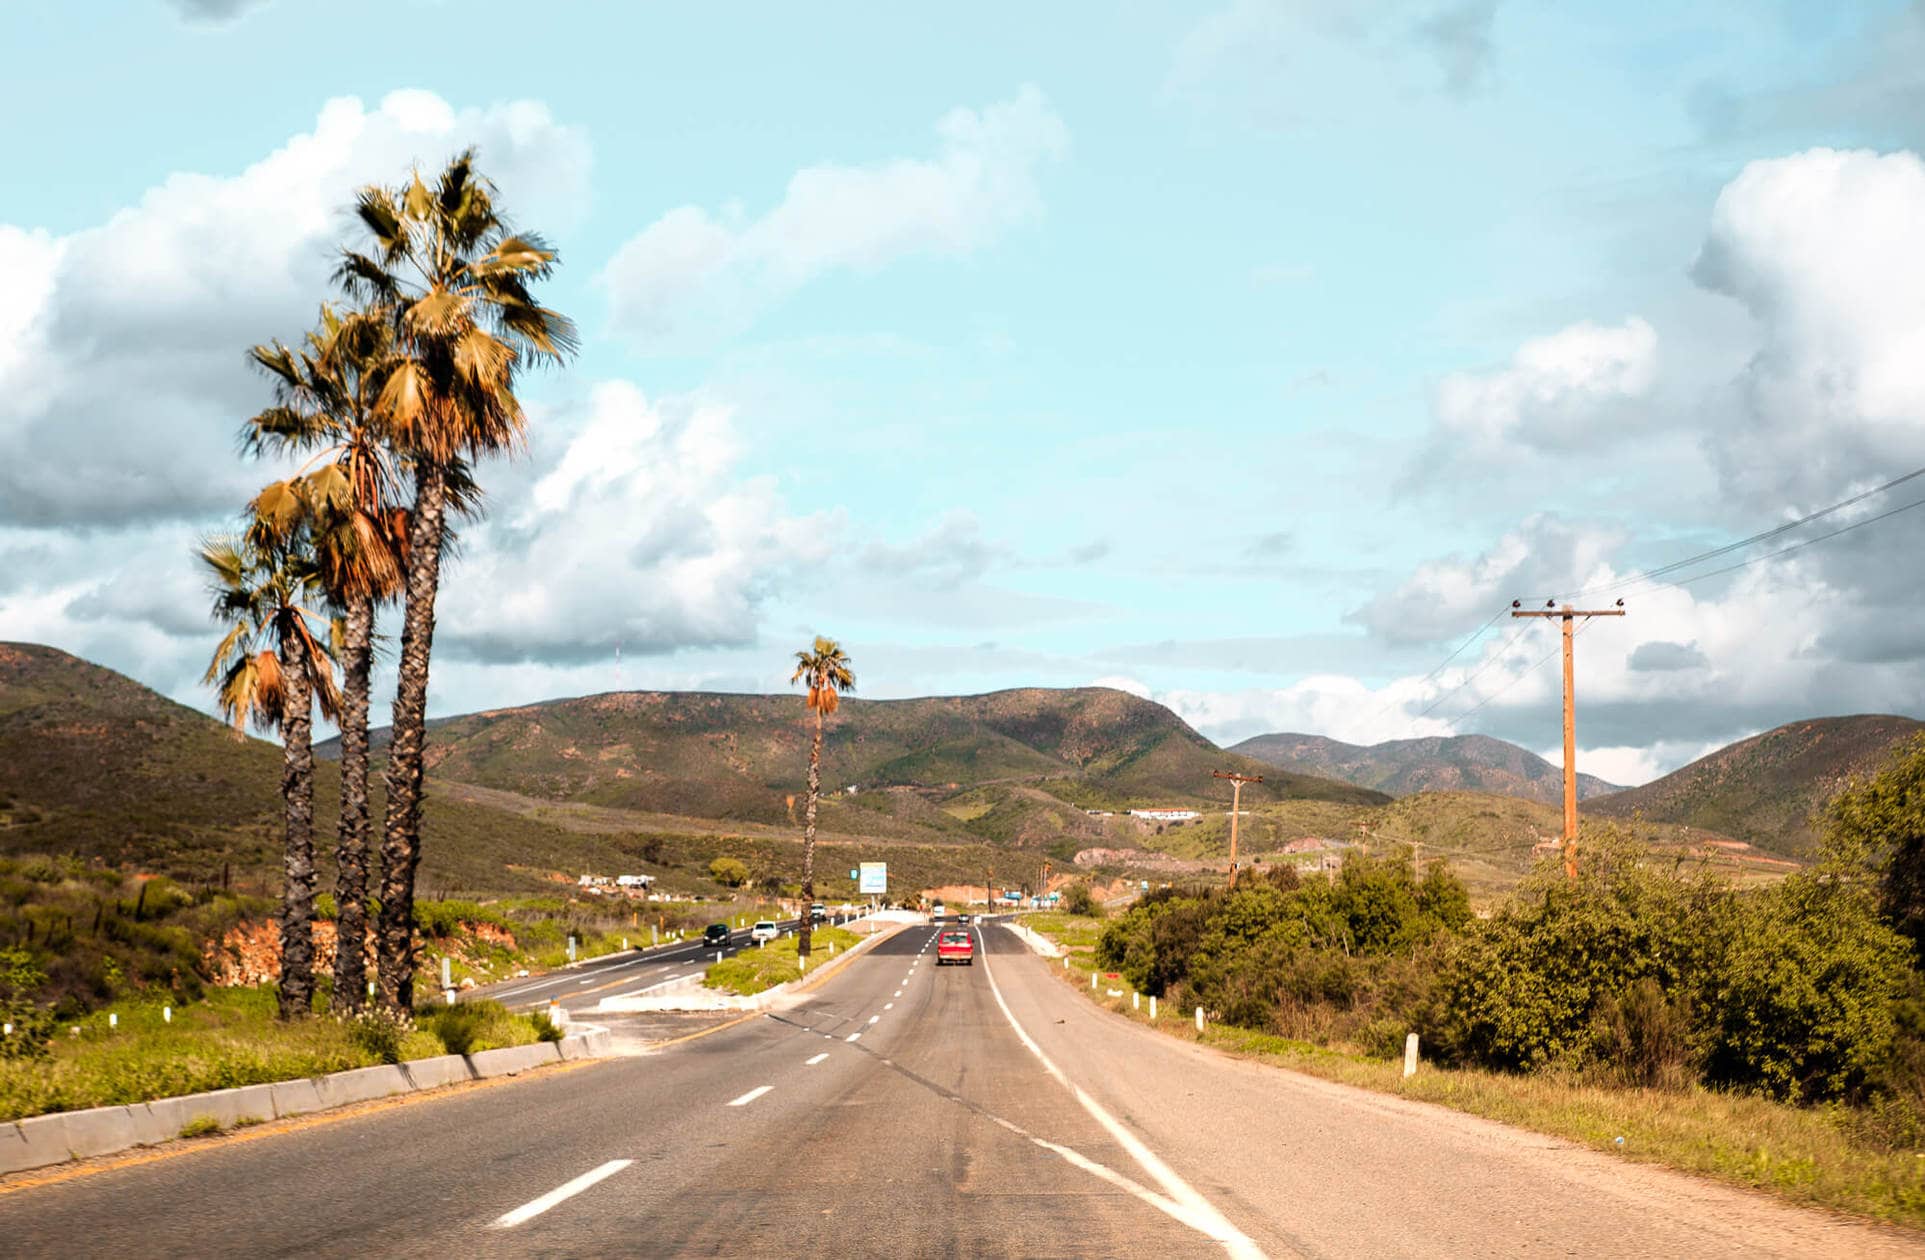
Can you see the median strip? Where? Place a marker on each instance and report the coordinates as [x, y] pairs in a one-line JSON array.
[[530, 1210]]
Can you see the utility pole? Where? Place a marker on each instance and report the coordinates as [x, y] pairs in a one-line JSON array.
[[1568, 615], [1236, 809], [1042, 889]]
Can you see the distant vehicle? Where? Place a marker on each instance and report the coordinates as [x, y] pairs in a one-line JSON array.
[[764, 930], [956, 947], [962, 918], [716, 937], [936, 912], [818, 912]]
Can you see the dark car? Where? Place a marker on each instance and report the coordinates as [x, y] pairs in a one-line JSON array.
[[716, 937]]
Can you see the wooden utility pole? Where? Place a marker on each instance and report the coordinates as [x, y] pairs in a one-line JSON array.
[[1042, 890], [1236, 809], [1568, 615]]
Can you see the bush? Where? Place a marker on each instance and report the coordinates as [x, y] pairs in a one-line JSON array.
[[1643, 1037], [1077, 899], [33, 1024], [544, 1027], [379, 1033], [200, 1126], [1805, 1005], [459, 1026], [729, 872]]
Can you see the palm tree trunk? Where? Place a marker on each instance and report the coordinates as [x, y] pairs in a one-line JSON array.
[[351, 848], [808, 842], [297, 788], [401, 832]]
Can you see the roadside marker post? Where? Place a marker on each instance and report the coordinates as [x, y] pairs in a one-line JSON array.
[[1152, 1006], [1136, 1000], [1092, 981], [1410, 1055], [1199, 1019], [166, 1015]]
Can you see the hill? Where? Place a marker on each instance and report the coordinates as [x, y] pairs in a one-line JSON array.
[[97, 766], [1403, 767], [743, 758], [1766, 789]]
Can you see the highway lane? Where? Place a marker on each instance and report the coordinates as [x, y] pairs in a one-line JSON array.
[[909, 1109], [580, 986]]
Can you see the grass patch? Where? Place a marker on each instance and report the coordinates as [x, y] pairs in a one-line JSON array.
[[1808, 1155], [229, 1040], [755, 970], [200, 1126], [475, 1026]]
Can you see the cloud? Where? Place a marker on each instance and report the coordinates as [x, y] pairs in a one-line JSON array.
[[1822, 249], [1459, 36], [1658, 656], [1444, 599], [213, 12], [637, 533], [694, 272], [950, 554], [1561, 392], [123, 377], [1285, 63]]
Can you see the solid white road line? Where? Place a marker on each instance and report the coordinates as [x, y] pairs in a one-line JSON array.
[[535, 1207], [751, 1096], [1184, 1203], [819, 1058]]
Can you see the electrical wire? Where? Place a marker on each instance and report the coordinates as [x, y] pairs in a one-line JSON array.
[[1775, 531]]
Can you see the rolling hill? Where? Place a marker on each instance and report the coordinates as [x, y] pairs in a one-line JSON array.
[[1403, 767], [742, 758], [1766, 789]]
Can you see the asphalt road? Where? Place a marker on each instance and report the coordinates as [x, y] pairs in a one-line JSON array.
[[580, 986], [910, 1110]]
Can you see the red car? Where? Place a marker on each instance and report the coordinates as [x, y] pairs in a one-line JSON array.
[[952, 946]]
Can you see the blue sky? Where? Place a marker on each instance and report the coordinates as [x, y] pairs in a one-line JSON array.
[[1250, 357]]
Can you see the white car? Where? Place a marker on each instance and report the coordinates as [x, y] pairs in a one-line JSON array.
[[763, 931]]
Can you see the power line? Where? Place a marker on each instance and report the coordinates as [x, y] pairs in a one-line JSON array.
[[1762, 536], [1773, 555]]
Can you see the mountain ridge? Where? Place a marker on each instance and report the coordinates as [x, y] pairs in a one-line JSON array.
[[1405, 767]]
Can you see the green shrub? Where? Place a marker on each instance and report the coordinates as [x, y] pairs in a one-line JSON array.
[[1805, 1004], [1077, 899], [379, 1033], [1643, 1037], [544, 1027], [729, 872], [460, 1026]]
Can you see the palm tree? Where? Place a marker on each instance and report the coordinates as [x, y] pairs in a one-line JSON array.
[[270, 667], [326, 394], [453, 281], [824, 669]]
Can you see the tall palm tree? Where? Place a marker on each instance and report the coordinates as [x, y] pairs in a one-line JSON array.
[[454, 281], [271, 667], [326, 396], [824, 669]]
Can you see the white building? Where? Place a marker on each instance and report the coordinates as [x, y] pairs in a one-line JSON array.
[[1166, 815]]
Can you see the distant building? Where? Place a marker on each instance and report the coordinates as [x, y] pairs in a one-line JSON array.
[[1166, 815], [1306, 844]]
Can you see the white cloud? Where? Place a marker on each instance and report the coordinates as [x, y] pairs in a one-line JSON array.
[[1121, 682], [123, 377], [1823, 249], [1559, 392], [638, 533], [693, 271]]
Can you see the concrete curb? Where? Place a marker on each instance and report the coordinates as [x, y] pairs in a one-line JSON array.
[[1037, 942], [691, 996], [39, 1141]]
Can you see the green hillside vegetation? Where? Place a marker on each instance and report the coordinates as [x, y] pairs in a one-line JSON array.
[[1402, 767], [1768, 789], [739, 757], [1488, 840]]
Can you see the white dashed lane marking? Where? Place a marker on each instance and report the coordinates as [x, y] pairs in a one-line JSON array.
[[819, 1058], [535, 1207], [751, 1096]]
